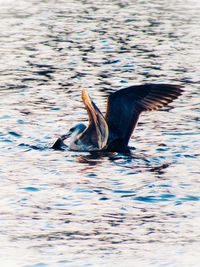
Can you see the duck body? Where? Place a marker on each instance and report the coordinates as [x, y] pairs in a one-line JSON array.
[[112, 131]]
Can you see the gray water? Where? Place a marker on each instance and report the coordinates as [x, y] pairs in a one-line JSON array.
[[63, 208]]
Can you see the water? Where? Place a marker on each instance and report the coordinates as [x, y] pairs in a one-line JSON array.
[[81, 209]]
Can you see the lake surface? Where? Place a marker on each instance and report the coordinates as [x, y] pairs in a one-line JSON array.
[[62, 208]]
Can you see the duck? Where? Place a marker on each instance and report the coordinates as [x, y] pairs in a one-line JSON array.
[[112, 131]]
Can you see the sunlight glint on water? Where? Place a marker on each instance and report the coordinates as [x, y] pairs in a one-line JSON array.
[[80, 209]]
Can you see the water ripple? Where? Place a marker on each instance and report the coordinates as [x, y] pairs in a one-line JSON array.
[[65, 208]]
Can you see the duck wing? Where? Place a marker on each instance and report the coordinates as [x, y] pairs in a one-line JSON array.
[[96, 134], [125, 106]]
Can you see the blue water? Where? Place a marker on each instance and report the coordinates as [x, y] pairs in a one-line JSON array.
[[64, 208]]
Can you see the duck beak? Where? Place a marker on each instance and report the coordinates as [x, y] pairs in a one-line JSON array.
[[59, 144], [65, 136]]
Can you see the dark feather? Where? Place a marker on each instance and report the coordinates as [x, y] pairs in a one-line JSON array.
[[125, 106]]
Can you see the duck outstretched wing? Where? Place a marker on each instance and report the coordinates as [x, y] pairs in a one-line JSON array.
[[125, 106]]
